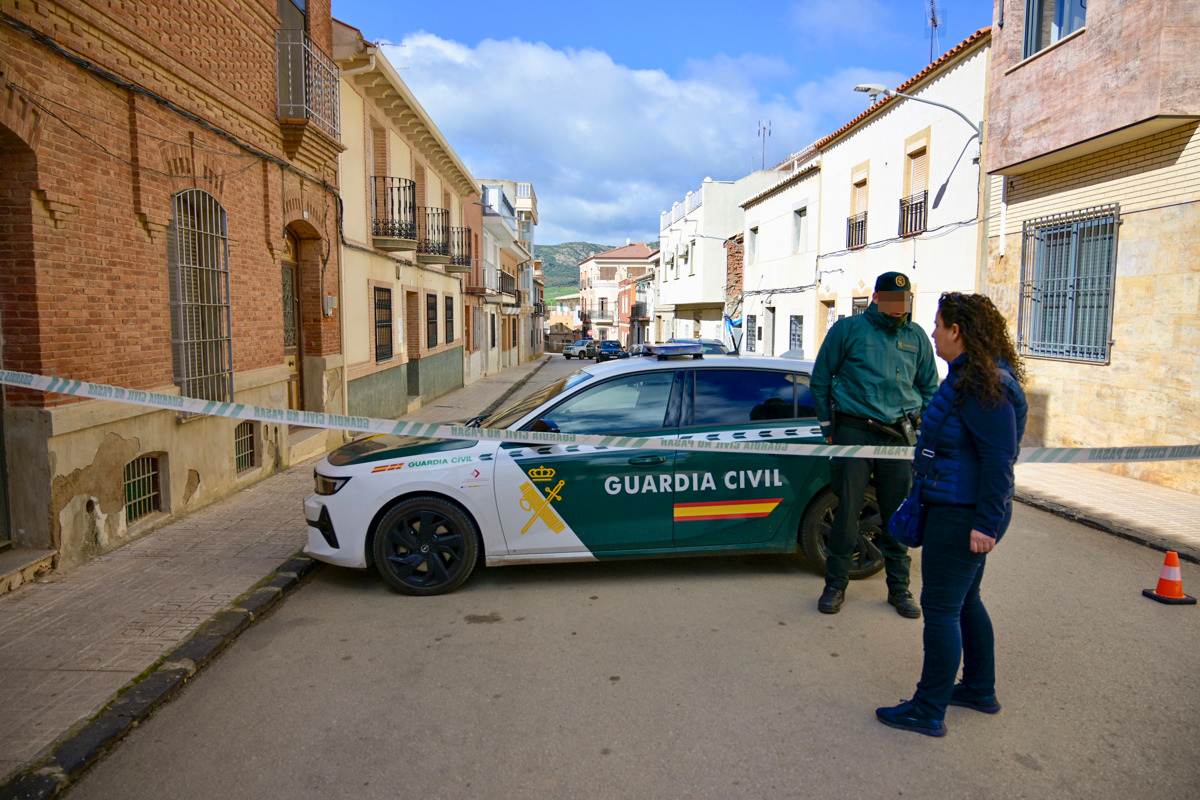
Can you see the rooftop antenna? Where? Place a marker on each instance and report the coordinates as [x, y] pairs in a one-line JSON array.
[[934, 23], [764, 132]]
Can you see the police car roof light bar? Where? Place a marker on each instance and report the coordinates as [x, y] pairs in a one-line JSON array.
[[665, 351]]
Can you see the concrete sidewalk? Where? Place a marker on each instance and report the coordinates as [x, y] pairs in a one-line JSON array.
[[1162, 518], [68, 642]]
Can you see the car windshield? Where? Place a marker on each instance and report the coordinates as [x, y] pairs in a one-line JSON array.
[[581, 343], [508, 415]]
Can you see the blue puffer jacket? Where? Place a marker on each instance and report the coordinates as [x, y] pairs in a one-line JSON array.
[[966, 450]]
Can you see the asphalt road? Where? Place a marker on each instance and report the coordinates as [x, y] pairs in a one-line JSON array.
[[686, 678]]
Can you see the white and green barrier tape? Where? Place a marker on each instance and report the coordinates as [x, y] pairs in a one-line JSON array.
[[342, 422]]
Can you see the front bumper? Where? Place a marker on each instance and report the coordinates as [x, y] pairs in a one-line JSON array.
[[325, 542]]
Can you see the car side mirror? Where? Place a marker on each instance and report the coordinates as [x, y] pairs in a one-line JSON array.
[[543, 425]]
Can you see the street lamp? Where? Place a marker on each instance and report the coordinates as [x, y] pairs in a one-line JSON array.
[[876, 89]]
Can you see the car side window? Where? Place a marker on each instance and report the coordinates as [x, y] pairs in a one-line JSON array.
[[625, 405], [736, 396], [804, 399]]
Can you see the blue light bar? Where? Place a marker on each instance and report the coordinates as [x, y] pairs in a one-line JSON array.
[[664, 351]]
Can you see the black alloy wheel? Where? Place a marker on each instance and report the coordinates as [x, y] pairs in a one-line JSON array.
[[425, 546], [866, 560]]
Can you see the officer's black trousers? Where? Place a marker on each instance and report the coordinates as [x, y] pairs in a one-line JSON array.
[[892, 480]]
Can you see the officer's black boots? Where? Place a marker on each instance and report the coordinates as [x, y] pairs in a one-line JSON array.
[[831, 600], [905, 605]]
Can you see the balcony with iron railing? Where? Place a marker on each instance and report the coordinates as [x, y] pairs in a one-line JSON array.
[[539, 309], [433, 235], [393, 213], [856, 231], [306, 94], [913, 214], [508, 284], [461, 259], [638, 311]]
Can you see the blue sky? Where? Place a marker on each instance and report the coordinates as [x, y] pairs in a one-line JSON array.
[[615, 109]]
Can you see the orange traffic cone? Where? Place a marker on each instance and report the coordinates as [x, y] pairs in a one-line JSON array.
[[1170, 584]]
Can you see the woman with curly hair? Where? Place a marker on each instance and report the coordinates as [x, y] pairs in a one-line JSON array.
[[970, 437]]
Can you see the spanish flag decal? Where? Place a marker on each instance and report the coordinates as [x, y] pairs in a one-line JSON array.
[[726, 509]]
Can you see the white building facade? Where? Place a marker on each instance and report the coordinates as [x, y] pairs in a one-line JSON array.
[[897, 188], [690, 281], [600, 278]]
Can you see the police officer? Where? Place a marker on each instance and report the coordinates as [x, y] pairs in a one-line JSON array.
[[873, 377]]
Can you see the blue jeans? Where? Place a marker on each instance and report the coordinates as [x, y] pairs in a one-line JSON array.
[[957, 626]]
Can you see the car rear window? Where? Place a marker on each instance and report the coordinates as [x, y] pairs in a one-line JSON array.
[[736, 396]]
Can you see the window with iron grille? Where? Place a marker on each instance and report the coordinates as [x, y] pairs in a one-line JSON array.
[[198, 269], [856, 231], [245, 454], [1068, 272], [449, 320], [143, 494], [431, 315], [750, 333], [796, 332], [383, 324], [913, 214], [859, 306]]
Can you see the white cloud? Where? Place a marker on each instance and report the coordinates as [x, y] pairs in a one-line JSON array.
[[606, 146]]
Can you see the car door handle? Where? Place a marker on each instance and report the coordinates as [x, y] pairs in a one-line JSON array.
[[646, 461]]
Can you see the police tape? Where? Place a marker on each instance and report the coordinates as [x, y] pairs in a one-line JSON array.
[[703, 442]]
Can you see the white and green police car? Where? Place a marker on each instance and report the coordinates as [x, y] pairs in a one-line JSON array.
[[426, 512]]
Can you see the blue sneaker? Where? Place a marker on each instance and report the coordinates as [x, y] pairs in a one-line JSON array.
[[964, 697], [906, 718]]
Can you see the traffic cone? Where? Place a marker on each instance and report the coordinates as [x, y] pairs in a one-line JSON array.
[[1170, 584]]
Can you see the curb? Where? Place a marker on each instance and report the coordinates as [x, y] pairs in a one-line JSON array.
[[77, 750], [1145, 538], [516, 387]]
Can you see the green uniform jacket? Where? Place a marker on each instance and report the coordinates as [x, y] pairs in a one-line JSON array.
[[869, 367]]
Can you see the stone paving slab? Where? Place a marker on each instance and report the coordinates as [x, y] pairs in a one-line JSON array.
[[1154, 515], [69, 641]]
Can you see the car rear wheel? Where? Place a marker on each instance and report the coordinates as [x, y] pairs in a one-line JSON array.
[[425, 546], [866, 560]]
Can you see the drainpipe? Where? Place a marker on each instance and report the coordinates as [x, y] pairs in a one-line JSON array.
[[348, 73]]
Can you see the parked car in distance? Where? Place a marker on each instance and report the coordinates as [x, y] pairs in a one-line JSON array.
[[712, 347], [609, 349], [575, 349]]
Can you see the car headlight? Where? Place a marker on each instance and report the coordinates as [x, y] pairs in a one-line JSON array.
[[326, 484]]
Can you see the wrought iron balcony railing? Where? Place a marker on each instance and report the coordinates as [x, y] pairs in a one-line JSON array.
[[460, 247], [913, 214], [856, 231], [638, 311], [433, 231], [539, 309], [508, 284], [306, 81], [393, 208]]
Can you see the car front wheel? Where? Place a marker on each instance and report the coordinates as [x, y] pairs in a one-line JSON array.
[[866, 559], [425, 546]]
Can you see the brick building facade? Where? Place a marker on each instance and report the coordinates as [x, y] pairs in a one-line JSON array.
[[168, 221]]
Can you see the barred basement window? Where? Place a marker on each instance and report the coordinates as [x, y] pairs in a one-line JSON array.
[[244, 454], [1068, 272], [383, 324], [142, 490], [198, 267]]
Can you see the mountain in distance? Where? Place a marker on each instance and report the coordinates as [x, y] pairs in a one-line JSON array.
[[560, 262]]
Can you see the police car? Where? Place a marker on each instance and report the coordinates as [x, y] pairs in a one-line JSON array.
[[425, 513]]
